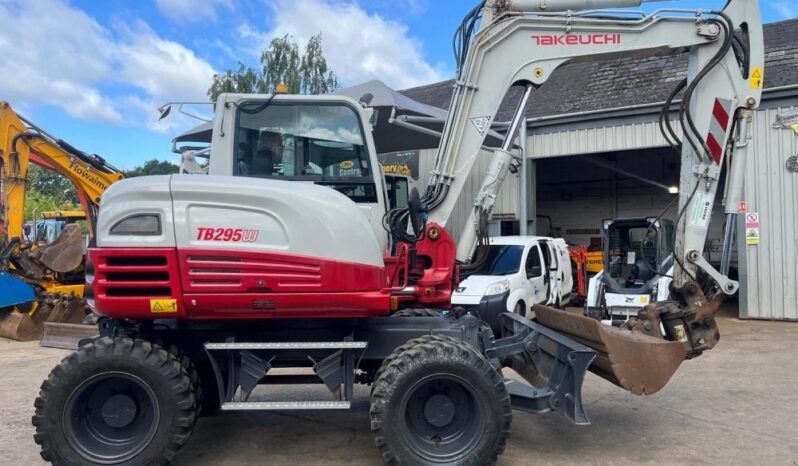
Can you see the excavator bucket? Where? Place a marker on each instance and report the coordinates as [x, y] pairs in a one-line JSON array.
[[65, 253], [638, 363], [19, 326], [55, 308]]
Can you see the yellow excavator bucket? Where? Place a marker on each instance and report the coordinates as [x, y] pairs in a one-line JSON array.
[[51, 307], [19, 326], [65, 253], [638, 363]]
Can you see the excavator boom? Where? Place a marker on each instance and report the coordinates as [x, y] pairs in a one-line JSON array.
[[31, 272], [521, 43]]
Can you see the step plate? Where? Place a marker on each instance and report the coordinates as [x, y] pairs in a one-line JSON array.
[[288, 345], [284, 405]]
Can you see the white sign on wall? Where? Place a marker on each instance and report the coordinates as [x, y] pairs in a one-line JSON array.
[[752, 228]]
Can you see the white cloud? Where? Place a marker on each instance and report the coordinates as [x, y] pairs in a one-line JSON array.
[[52, 53], [787, 9], [358, 46], [192, 10]]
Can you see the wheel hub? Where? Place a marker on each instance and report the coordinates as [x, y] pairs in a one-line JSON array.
[[439, 410], [111, 417], [119, 411]]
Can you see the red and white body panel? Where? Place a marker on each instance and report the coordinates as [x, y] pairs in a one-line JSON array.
[[236, 247]]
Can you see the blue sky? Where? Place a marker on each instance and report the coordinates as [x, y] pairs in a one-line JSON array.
[[94, 72]]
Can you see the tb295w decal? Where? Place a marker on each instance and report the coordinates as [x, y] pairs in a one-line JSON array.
[[242, 235]]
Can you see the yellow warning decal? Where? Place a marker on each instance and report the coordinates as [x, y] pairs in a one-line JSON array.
[[756, 77], [163, 306], [644, 299]]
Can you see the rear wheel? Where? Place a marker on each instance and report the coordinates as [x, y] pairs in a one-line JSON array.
[[439, 401], [520, 309], [115, 401]]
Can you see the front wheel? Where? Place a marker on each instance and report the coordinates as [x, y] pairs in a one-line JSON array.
[[115, 401], [438, 401]]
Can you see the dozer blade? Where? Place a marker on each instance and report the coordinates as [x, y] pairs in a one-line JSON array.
[[19, 326], [66, 336], [64, 254], [635, 362]]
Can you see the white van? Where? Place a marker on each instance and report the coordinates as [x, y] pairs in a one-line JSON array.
[[533, 269]]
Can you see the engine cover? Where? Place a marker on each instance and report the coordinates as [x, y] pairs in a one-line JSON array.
[[235, 247]]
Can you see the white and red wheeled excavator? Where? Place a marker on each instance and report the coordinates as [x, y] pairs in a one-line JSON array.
[[285, 255]]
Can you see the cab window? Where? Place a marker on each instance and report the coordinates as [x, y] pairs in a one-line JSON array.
[[321, 143]]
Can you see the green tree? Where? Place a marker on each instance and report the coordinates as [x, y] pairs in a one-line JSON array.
[[281, 63], [305, 73], [49, 183], [36, 203], [317, 78], [153, 167], [244, 81]]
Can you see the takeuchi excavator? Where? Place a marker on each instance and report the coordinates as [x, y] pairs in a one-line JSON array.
[[286, 256], [36, 284]]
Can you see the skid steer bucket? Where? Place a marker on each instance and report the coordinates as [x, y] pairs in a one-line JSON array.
[[638, 363]]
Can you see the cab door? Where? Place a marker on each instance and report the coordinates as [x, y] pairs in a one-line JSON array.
[[551, 265], [536, 289]]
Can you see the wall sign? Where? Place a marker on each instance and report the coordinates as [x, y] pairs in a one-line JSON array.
[[752, 228], [787, 120], [792, 164]]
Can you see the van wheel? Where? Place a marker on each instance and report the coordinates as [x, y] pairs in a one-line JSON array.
[[520, 309]]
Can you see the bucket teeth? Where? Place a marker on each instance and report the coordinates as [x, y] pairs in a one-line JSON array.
[[638, 363]]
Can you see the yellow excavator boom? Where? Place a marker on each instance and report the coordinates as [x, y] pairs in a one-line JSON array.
[[42, 267]]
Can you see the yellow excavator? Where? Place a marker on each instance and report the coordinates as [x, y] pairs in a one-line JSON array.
[[37, 278]]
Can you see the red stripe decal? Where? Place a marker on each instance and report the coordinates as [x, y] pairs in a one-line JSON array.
[[715, 148], [720, 114]]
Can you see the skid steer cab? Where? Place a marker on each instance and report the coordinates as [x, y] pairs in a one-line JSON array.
[[638, 258]]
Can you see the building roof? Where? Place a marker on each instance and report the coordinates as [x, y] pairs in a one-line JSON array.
[[582, 87]]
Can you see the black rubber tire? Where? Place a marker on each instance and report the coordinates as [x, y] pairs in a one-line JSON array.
[[155, 368], [416, 312], [411, 374], [193, 375], [520, 309], [399, 350]]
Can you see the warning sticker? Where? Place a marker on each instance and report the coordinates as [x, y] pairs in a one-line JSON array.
[[752, 228], [481, 124], [166, 306], [702, 208], [752, 236], [756, 78]]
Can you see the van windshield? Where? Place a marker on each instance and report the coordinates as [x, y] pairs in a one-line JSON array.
[[503, 259]]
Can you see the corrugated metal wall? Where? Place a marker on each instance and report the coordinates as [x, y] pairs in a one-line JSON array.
[[506, 203], [595, 137], [770, 275]]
